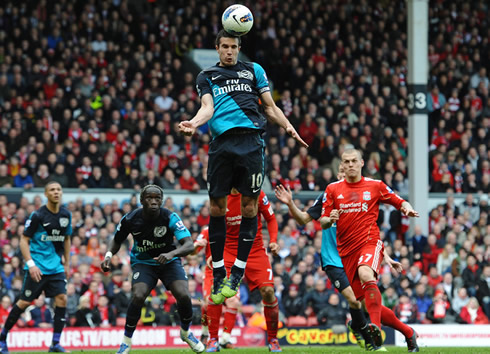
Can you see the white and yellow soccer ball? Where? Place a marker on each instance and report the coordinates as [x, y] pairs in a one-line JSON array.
[[237, 20]]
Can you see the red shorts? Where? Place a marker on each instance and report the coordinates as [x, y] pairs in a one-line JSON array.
[[371, 254], [258, 272]]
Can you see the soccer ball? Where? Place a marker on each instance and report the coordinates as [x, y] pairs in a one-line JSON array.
[[237, 20]]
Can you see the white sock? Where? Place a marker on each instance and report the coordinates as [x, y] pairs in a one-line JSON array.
[[184, 333], [205, 331], [127, 340], [225, 338]]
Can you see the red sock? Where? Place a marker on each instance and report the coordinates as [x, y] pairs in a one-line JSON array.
[[214, 315], [372, 298], [389, 319], [204, 316], [230, 319], [271, 313]]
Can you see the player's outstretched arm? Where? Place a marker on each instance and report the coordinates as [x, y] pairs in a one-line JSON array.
[[408, 210], [277, 116], [204, 114], [286, 197]]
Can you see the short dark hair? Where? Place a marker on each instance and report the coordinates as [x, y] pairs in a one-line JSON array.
[[225, 34], [145, 189], [50, 183]]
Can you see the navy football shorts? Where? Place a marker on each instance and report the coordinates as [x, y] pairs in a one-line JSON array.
[[236, 159], [52, 284], [167, 273], [337, 276]]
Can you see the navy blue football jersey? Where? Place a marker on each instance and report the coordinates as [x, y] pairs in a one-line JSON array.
[[151, 238], [235, 90], [47, 232]]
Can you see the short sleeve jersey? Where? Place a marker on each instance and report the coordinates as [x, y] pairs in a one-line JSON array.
[[329, 253], [358, 204], [235, 90], [47, 232], [151, 237]]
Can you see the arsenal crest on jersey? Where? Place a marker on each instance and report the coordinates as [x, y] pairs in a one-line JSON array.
[[160, 231], [64, 222]]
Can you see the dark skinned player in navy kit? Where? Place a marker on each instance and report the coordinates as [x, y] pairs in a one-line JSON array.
[[45, 246], [230, 93], [154, 256]]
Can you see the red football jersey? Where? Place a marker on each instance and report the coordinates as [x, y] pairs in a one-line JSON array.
[[358, 205], [234, 218], [204, 235]]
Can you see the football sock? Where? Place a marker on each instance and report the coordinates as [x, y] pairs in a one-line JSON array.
[[132, 318], [271, 314], [58, 323], [358, 318], [389, 319], [217, 238], [372, 298], [184, 308], [246, 237], [214, 315], [204, 321], [230, 319], [11, 321]]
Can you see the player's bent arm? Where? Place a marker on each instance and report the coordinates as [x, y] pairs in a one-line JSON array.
[[186, 247], [326, 222], [205, 113], [301, 217], [286, 196]]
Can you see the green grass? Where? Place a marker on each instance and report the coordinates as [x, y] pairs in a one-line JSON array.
[[299, 350]]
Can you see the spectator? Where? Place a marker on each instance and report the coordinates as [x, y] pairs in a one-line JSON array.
[[472, 313], [39, 314], [294, 304], [6, 180], [445, 259], [5, 307], [122, 299], [187, 182], [440, 311], [406, 310], [471, 274], [318, 298], [152, 314], [460, 300], [423, 301], [85, 316], [23, 179], [72, 302], [334, 313], [483, 292]]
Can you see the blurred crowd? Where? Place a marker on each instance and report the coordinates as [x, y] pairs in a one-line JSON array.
[[91, 93]]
